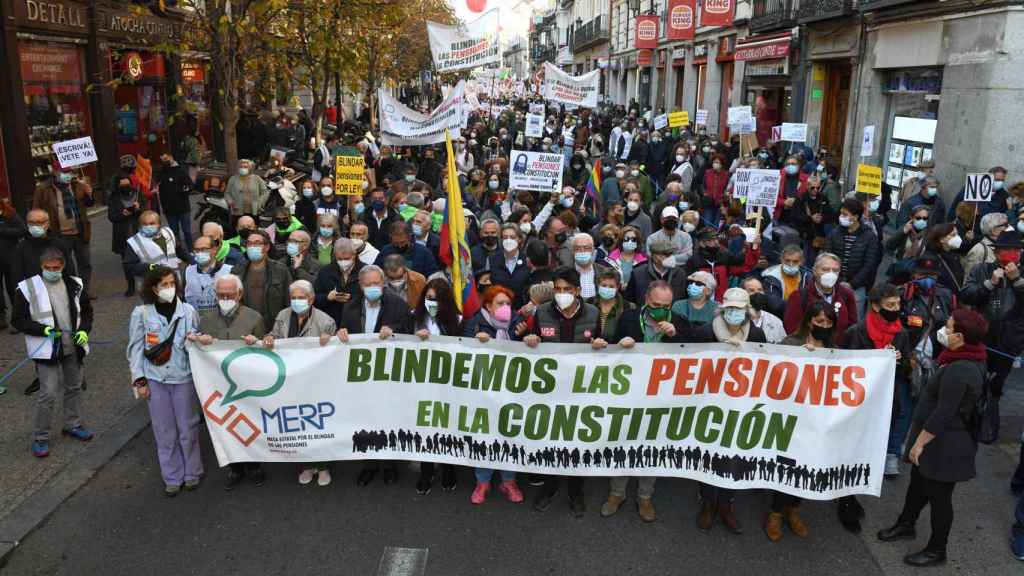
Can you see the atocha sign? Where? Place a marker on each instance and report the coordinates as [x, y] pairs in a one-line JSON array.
[[137, 26]]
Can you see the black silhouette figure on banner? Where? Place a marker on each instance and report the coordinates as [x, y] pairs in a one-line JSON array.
[[782, 471]]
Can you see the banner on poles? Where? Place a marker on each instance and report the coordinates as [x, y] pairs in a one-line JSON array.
[[462, 47], [682, 15], [759, 416], [575, 90], [403, 126], [537, 171], [647, 32], [349, 172]]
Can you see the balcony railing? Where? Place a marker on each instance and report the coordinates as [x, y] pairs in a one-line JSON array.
[[544, 53], [773, 15], [872, 5], [591, 34], [814, 10]]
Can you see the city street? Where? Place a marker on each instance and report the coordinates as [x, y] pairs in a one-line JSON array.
[[120, 523]]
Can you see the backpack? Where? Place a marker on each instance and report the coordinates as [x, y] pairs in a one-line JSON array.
[[982, 420]]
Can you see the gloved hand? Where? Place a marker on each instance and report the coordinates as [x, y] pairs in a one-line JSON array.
[[51, 333], [81, 338]]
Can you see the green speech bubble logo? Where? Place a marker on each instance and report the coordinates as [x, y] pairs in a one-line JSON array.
[[233, 394]]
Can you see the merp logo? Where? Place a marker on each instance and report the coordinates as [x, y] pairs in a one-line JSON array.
[[681, 17], [233, 420], [717, 6]]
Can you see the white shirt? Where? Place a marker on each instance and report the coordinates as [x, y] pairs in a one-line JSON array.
[[774, 331], [371, 313], [432, 326], [587, 287]]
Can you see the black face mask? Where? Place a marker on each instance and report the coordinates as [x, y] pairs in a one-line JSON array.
[[401, 248], [821, 334], [889, 315], [709, 250], [282, 224], [670, 224], [243, 234], [561, 237], [759, 301], [490, 241], [125, 190], [607, 242]]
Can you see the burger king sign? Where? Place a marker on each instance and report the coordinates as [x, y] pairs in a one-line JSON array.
[[647, 32], [717, 13], [681, 19]]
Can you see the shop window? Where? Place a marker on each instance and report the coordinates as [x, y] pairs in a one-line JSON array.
[[140, 103]]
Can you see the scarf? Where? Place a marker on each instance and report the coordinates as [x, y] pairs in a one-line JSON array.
[[971, 352], [649, 327], [880, 331], [723, 334], [500, 328]]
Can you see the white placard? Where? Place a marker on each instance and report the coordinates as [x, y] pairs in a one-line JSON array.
[[460, 48], [978, 188], [403, 126], [538, 171], [867, 143], [739, 115], [660, 121], [792, 132], [763, 188], [574, 90], [702, 117], [71, 153], [534, 125]]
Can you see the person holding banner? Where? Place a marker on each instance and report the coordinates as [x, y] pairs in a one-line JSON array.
[[375, 311], [568, 319], [732, 325], [161, 374], [65, 199], [943, 451]]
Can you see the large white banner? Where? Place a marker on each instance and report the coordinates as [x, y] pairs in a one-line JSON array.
[[814, 424], [539, 171], [575, 90], [403, 126], [458, 48]]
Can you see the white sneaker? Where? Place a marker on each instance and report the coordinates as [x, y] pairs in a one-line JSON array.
[[892, 465], [323, 477], [306, 476]]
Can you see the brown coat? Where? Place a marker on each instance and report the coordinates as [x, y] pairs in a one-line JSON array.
[[415, 284], [45, 198]]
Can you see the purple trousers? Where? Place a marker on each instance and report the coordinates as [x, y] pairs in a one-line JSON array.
[[174, 412]]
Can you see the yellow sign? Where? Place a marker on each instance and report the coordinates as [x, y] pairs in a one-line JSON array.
[[348, 175], [869, 179], [678, 119]]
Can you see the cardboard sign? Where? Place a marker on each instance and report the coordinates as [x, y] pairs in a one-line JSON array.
[[534, 125], [978, 188], [739, 115], [678, 119], [71, 153], [660, 121], [794, 132], [867, 144], [348, 175], [762, 188], [537, 171], [702, 118], [869, 179]]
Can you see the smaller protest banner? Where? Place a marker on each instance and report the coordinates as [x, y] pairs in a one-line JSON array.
[[534, 125], [977, 187], [776, 133], [763, 188], [348, 175], [678, 119], [702, 118], [869, 179], [660, 121], [739, 183], [459, 48], [537, 108], [867, 144], [71, 153], [792, 132], [403, 126], [537, 171], [739, 115], [573, 90]]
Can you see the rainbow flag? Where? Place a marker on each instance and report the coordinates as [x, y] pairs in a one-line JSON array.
[[454, 245], [593, 190]]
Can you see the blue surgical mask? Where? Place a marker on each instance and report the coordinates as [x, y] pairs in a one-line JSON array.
[[254, 253], [326, 231], [65, 177], [149, 231], [410, 177], [998, 184], [300, 305], [629, 245], [373, 293], [932, 191], [52, 275], [243, 171], [402, 207], [583, 258], [202, 258], [567, 202], [791, 169], [695, 290], [790, 270], [684, 206], [307, 192], [926, 283], [293, 249], [734, 316], [874, 204], [920, 224], [606, 292], [36, 231], [417, 230], [378, 205], [360, 208], [492, 184]]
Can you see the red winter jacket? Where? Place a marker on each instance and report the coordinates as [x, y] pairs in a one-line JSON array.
[[843, 299], [714, 186]]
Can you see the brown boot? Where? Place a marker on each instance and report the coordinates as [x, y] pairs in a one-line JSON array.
[[707, 515], [728, 516], [796, 524], [646, 509], [773, 526], [611, 506]]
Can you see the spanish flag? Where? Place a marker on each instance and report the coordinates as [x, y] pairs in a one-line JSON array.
[[454, 245]]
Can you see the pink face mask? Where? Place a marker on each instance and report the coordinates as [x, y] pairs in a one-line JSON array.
[[503, 313]]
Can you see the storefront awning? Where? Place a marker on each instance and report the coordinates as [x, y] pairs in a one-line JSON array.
[[766, 47]]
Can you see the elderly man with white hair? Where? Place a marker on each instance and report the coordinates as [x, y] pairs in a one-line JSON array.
[[246, 192], [338, 282], [582, 245], [230, 320], [224, 252], [983, 252]]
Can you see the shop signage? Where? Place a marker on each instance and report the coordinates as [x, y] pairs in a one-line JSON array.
[[647, 32], [132, 62], [193, 72], [52, 15], [680, 24], [679, 53], [763, 50], [717, 13], [49, 63], [700, 50], [137, 26], [644, 58]]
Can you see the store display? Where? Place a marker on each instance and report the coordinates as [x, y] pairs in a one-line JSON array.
[[892, 176]]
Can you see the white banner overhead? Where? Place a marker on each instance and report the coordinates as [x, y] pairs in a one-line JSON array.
[[572, 90], [403, 126], [460, 48], [809, 423]]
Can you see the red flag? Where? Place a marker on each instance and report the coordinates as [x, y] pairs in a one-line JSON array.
[[682, 17], [717, 13], [647, 32]]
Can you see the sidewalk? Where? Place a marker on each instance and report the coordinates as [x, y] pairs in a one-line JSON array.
[[104, 404]]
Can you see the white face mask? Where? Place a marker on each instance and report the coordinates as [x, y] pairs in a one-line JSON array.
[[525, 227], [346, 264], [510, 244], [620, 173], [166, 295], [227, 306], [955, 242], [358, 243], [680, 158], [669, 262], [688, 227], [632, 206], [564, 300], [828, 279], [943, 337]]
